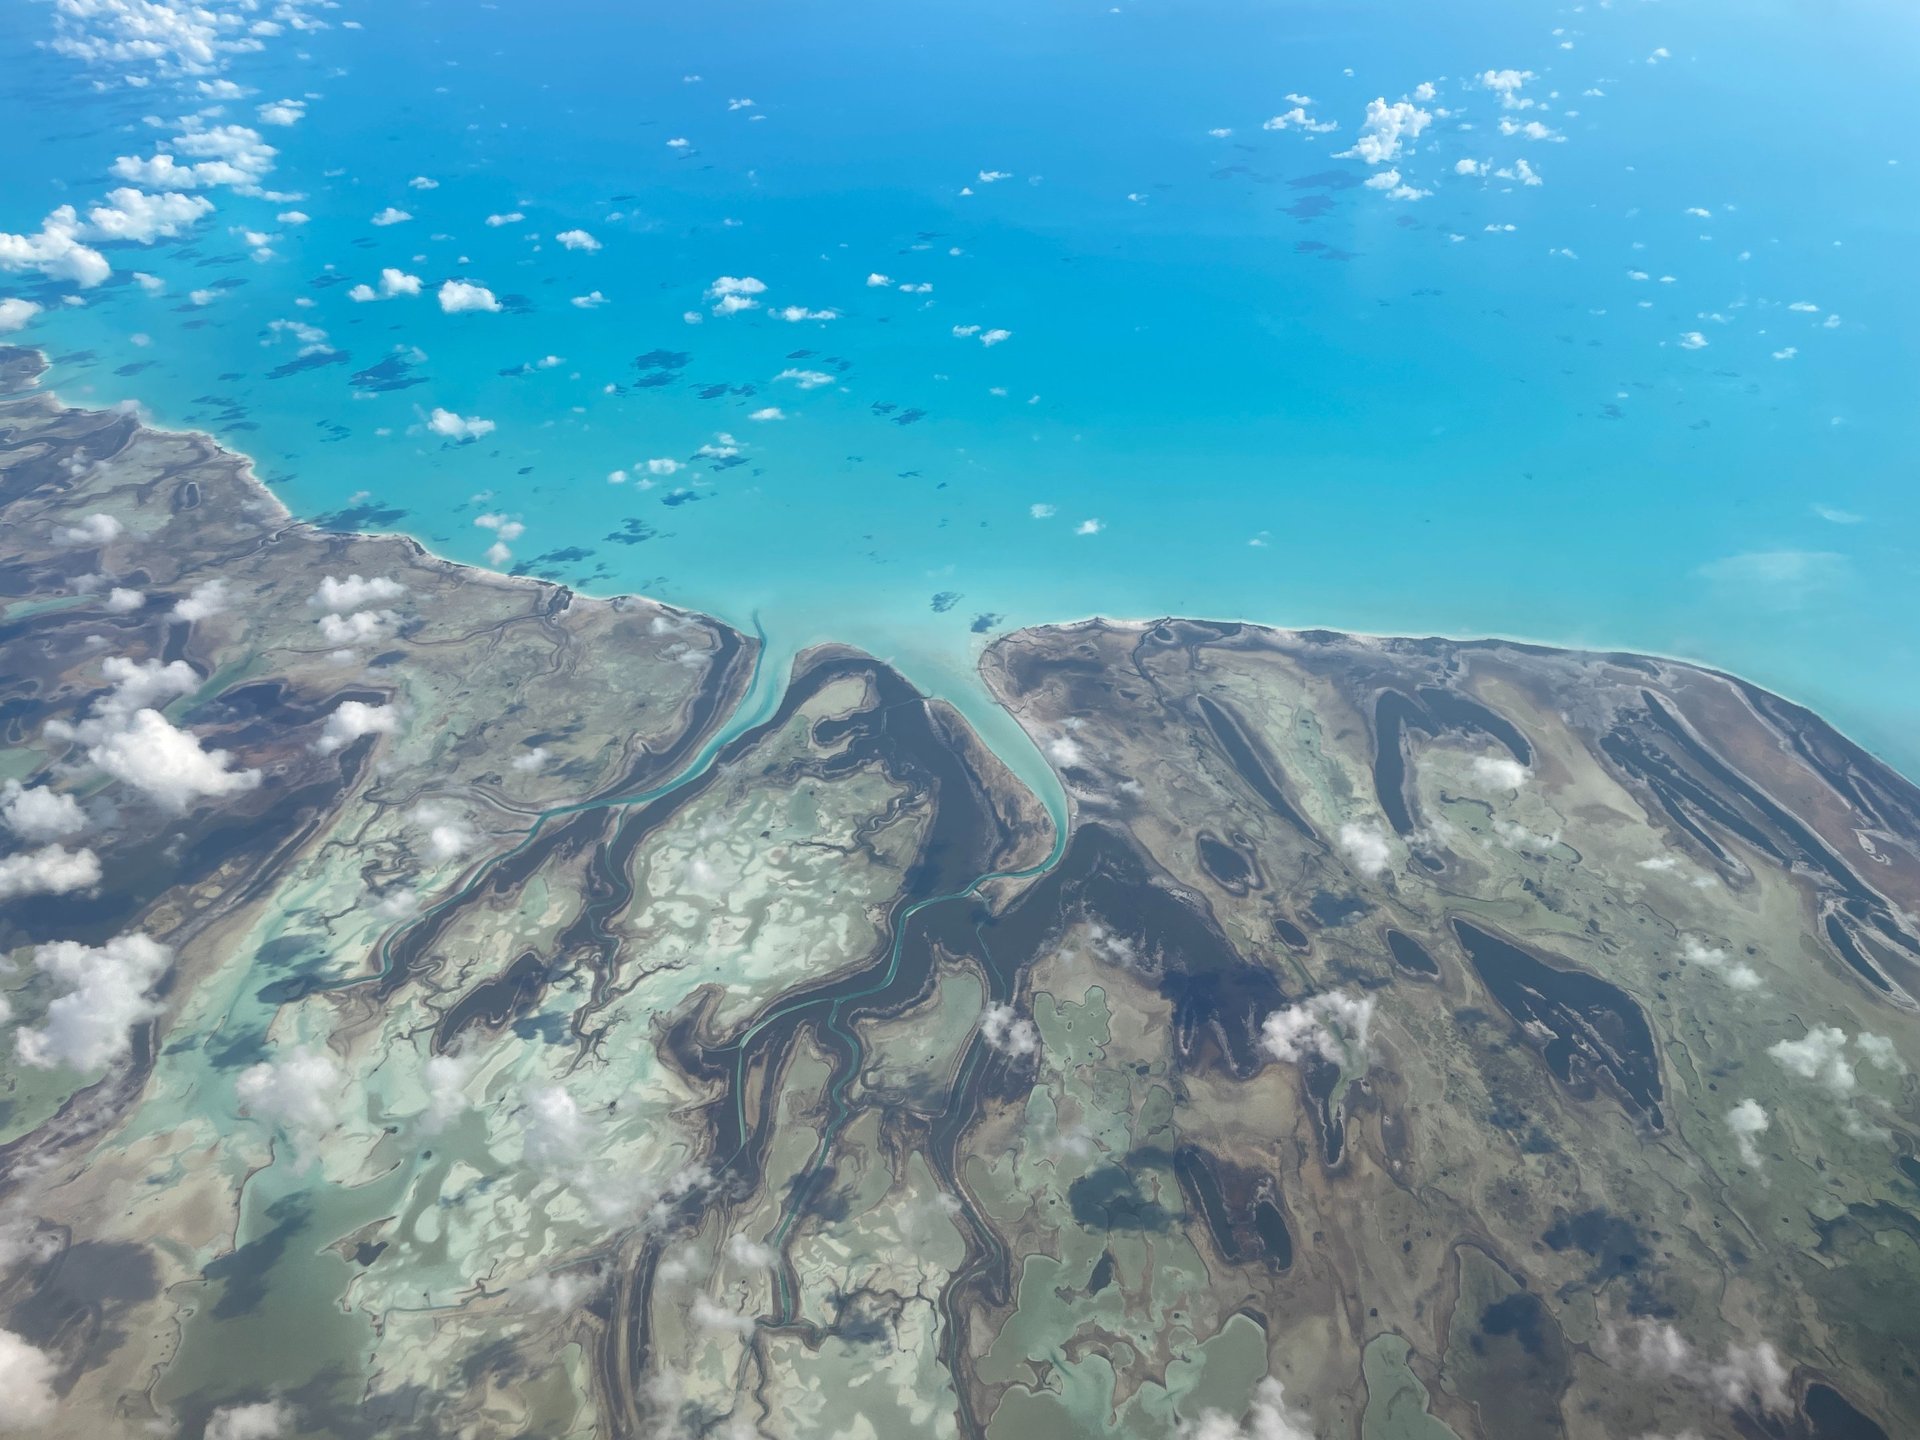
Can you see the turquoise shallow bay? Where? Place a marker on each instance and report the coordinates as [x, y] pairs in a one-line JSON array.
[[1283, 394]]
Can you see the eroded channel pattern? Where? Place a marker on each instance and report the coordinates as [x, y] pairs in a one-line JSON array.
[[460, 1011]]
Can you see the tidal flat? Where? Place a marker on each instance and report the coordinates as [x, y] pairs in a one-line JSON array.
[[443, 1004]]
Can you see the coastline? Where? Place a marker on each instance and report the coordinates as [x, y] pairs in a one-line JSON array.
[[934, 672]]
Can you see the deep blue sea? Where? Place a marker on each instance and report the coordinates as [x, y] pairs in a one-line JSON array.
[[1602, 332]]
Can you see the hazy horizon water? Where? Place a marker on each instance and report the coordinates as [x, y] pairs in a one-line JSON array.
[[1265, 388]]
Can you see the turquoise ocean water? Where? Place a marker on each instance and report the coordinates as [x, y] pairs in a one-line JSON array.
[[1664, 399]]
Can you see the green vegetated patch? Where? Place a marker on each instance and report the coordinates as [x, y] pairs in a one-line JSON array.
[[1505, 1353], [1396, 1400]]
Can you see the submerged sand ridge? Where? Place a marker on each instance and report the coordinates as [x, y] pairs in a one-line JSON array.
[[446, 1005]]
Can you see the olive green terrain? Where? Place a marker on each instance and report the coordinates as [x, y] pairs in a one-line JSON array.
[[565, 1027]]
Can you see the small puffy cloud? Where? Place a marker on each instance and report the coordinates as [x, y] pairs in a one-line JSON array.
[[1749, 1376], [1298, 119], [1334, 1025], [392, 283], [423, 182], [299, 1091], [553, 1133], [1499, 772], [1529, 130], [55, 251], [37, 815], [732, 294], [26, 1384], [1089, 527], [578, 240], [103, 995], [592, 300], [994, 177], [460, 297], [50, 870], [95, 529], [805, 379], [1820, 1056], [281, 112], [793, 314], [1007, 1032], [1469, 167], [1366, 848], [15, 313], [362, 627], [204, 601], [392, 215], [512, 217], [1269, 1418], [123, 601], [264, 1420], [1693, 340], [750, 1254], [1507, 84], [447, 834], [139, 218], [1388, 130], [1737, 973], [355, 592], [1043, 511], [352, 719], [877, 281], [446, 1077], [768, 412], [1748, 1120], [168, 764], [458, 427]]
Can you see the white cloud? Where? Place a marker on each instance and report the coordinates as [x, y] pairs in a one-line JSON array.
[[1388, 130], [457, 297], [512, 217], [1298, 119], [362, 627], [392, 283], [50, 870], [392, 215], [123, 601], [15, 313], [352, 719], [578, 240], [263, 1420], [1499, 771], [1333, 1025], [1693, 340], [1269, 1418], [993, 177], [732, 294], [356, 592], [96, 529], [1043, 511], [796, 313], [1007, 1032], [1529, 130], [1747, 1120], [1469, 167], [1820, 1056], [55, 251], [103, 995], [1089, 527], [592, 300], [26, 1384], [37, 814], [168, 764], [446, 1077], [458, 427], [1507, 84], [1366, 848], [281, 112], [805, 379], [298, 1091], [877, 281], [768, 412], [448, 836]]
